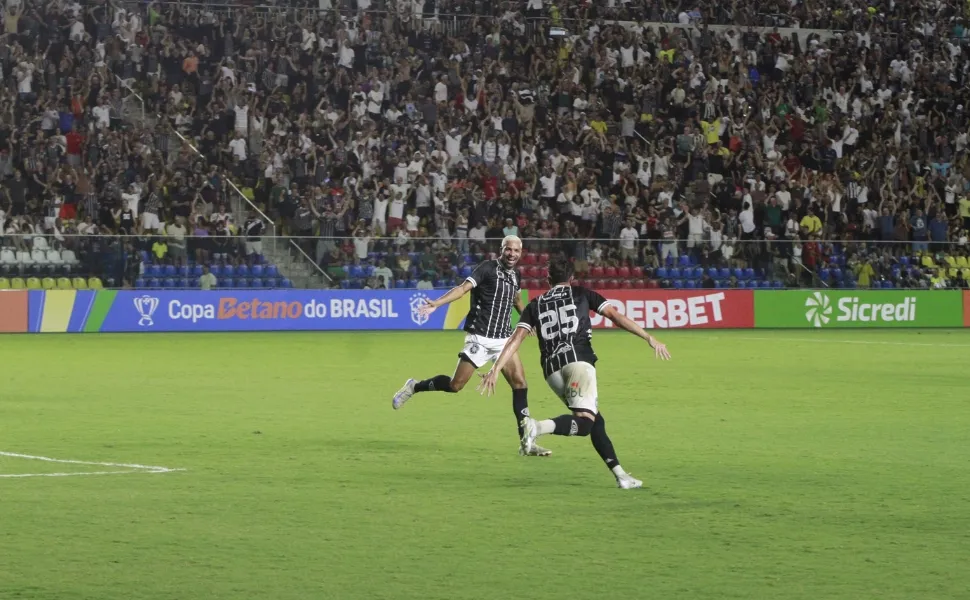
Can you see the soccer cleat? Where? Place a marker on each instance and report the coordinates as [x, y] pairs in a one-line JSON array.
[[537, 450], [529, 434], [404, 394], [628, 482]]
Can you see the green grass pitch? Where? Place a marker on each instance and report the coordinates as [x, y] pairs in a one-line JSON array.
[[782, 465]]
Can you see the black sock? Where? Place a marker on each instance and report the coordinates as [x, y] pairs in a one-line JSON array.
[[520, 406], [438, 383], [602, 443], [572, 425]]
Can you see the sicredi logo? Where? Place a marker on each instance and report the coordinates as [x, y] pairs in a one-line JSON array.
[[818, 309], [695, 311], [851, 309], [256, 309]]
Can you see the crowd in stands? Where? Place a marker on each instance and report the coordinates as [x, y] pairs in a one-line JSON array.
[[394, 140]]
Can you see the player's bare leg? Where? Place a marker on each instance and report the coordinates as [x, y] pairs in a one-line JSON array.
[[514, 374], [439, 383], [581, 423]]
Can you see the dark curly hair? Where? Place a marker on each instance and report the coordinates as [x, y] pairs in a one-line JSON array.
[[560, 270]]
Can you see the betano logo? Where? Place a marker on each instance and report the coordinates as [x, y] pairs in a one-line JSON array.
[[850, 309], [256, 309]]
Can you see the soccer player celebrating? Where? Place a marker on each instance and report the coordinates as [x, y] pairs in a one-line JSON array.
[[561, 318], [494, 286]]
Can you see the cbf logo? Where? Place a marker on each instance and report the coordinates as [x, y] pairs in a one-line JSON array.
[[417, 301], [146, 307]]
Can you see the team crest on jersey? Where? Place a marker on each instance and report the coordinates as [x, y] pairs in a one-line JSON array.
[[416, 302]]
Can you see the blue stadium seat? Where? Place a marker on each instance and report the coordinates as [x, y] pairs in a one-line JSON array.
[[227, 282], [738, 272], [197, 271], [690, 284], [712, 272], [153, 271], [356, 271], [369, 270], [719, 284], [662, 273], [684, 260], [183, 271], [724, 273], [824, 274], [215, 269], [440, 283], [777, 284], [286, 283], [140, 283], [675, 273], [749, 273], [168, 283], [698, 272], [271, 271], [837, 274], [414, 255], [904, 260], [412, 283], [765, 284], [153, 283], [194, 282], [146, 256], [670, 260], [257, 270], [242, 271], [170, 271], [400, 284], [466, 271], [887, 285], [183, 282], [468, 259], [345, 284], [850, 283], [678, 284]]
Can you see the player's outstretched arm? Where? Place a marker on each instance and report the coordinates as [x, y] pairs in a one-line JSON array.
[[487, 386], [623, 322], [450, 296]]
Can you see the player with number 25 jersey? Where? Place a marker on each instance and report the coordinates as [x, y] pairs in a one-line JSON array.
[[560, 318]]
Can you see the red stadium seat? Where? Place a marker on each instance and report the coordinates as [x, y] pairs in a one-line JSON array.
[[623, 272], [612, 284], [528, 259], [610, 271], [652, 284], [544, 259], [530, 272], [583, 282], [626, 285], [595, 284], [543, 272], [596, 272], [636, 272]]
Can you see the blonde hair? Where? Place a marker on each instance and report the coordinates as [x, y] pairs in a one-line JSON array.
[[511, 238]]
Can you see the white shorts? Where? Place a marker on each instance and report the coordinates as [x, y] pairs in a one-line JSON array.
[[254, 248], [150, 221], [480, 350], [575, 384]]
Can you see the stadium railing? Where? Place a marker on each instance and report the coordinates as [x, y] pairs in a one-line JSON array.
[[75, 261]]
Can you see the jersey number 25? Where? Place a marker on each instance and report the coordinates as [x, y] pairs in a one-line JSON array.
[[554, 323]]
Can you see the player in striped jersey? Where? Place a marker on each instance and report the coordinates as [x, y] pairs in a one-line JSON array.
[[560, 317], [494, 286]]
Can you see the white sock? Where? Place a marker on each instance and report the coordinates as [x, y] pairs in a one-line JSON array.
[[545, 427], [618, 471]]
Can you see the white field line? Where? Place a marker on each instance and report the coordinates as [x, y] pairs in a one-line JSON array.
[[128, 467], [861, 342]]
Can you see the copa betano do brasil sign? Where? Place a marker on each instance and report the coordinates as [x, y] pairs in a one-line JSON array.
[[87, 311]]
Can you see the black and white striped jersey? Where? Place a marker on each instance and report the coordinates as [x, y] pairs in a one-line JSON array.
[[561, 318], [492, 300]]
